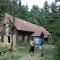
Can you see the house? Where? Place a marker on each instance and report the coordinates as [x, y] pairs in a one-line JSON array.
[[20, 29]]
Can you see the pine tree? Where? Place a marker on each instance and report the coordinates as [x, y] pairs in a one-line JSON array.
[[3, 8]]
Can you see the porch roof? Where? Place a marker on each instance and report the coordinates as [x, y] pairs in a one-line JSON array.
[[38, 34]]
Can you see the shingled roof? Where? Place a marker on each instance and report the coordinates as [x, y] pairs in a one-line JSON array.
[[23, 25]]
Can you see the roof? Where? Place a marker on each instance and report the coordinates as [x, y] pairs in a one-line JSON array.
[[36, 34], [21, 24]]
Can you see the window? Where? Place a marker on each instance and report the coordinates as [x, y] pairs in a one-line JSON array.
[[2, 39], [8, 39]]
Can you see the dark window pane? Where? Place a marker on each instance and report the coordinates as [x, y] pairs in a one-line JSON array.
[[8, 39]]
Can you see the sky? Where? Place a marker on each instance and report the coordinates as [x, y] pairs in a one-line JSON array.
[[40, 3]]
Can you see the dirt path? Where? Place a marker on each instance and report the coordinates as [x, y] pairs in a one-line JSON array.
[[29, 57]]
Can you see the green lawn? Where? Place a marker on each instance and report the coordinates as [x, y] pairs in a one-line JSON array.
[[20, 52]]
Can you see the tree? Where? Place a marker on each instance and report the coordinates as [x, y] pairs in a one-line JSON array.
[[3, 8], [24, 12], [46, 13], [57, 0], [58, 33], [35, 12]]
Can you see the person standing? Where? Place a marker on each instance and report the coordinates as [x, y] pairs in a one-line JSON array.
[[42, 42], [32, 43]]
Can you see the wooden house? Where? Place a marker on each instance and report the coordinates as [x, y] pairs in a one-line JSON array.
[[21, 30]]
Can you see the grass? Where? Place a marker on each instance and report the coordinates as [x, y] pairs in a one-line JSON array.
[[20, 52], [49, 52]]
